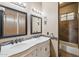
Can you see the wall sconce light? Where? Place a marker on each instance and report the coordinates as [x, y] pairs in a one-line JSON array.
[[45, 20]]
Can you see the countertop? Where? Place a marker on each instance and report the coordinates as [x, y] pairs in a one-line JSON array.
[[10, 49]]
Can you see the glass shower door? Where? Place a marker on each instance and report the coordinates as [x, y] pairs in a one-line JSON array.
[[68, 30]]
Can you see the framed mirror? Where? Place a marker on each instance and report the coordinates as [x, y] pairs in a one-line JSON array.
[[36, 24], [13, 23]]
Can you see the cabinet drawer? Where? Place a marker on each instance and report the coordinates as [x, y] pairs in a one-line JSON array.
[[46, 50], [25, 53], [31, 54]]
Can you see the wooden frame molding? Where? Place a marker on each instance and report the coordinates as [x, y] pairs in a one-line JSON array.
[[32, 24], [1, 29]]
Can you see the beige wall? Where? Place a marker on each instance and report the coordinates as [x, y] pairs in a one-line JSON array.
[[31, 5], [50, 10]]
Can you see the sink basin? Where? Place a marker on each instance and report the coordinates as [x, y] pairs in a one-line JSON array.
[[20, 44]]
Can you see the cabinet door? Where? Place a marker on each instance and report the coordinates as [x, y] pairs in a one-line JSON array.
[[43, 49], [39, 51], [31, 53], [46, 49]]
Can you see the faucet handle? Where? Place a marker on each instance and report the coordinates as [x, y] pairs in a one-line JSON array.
[[21, 39], [16, 41], [12, 42]]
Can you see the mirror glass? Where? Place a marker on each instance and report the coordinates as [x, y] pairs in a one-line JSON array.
[[13, 23]]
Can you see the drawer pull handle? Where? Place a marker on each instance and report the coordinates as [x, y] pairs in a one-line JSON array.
[[45, 49]]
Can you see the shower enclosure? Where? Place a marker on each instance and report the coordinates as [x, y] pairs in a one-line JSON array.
[[68, 29]]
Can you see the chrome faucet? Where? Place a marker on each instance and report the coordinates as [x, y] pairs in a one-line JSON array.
[[51, 35]]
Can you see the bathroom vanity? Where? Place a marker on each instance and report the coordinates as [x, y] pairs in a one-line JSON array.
[[34, 47], [38, 50]]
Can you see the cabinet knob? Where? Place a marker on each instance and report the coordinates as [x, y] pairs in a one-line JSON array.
[[45, 49]]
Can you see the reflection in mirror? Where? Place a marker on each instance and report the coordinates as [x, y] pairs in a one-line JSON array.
[[22, 23], [13, 23], [10, 23]]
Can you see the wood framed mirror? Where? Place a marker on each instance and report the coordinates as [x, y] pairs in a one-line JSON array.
[[14, 23], [36, 24]]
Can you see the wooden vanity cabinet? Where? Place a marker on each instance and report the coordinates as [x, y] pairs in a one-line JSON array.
[[30, 53], [39, 50], [27, 53]]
